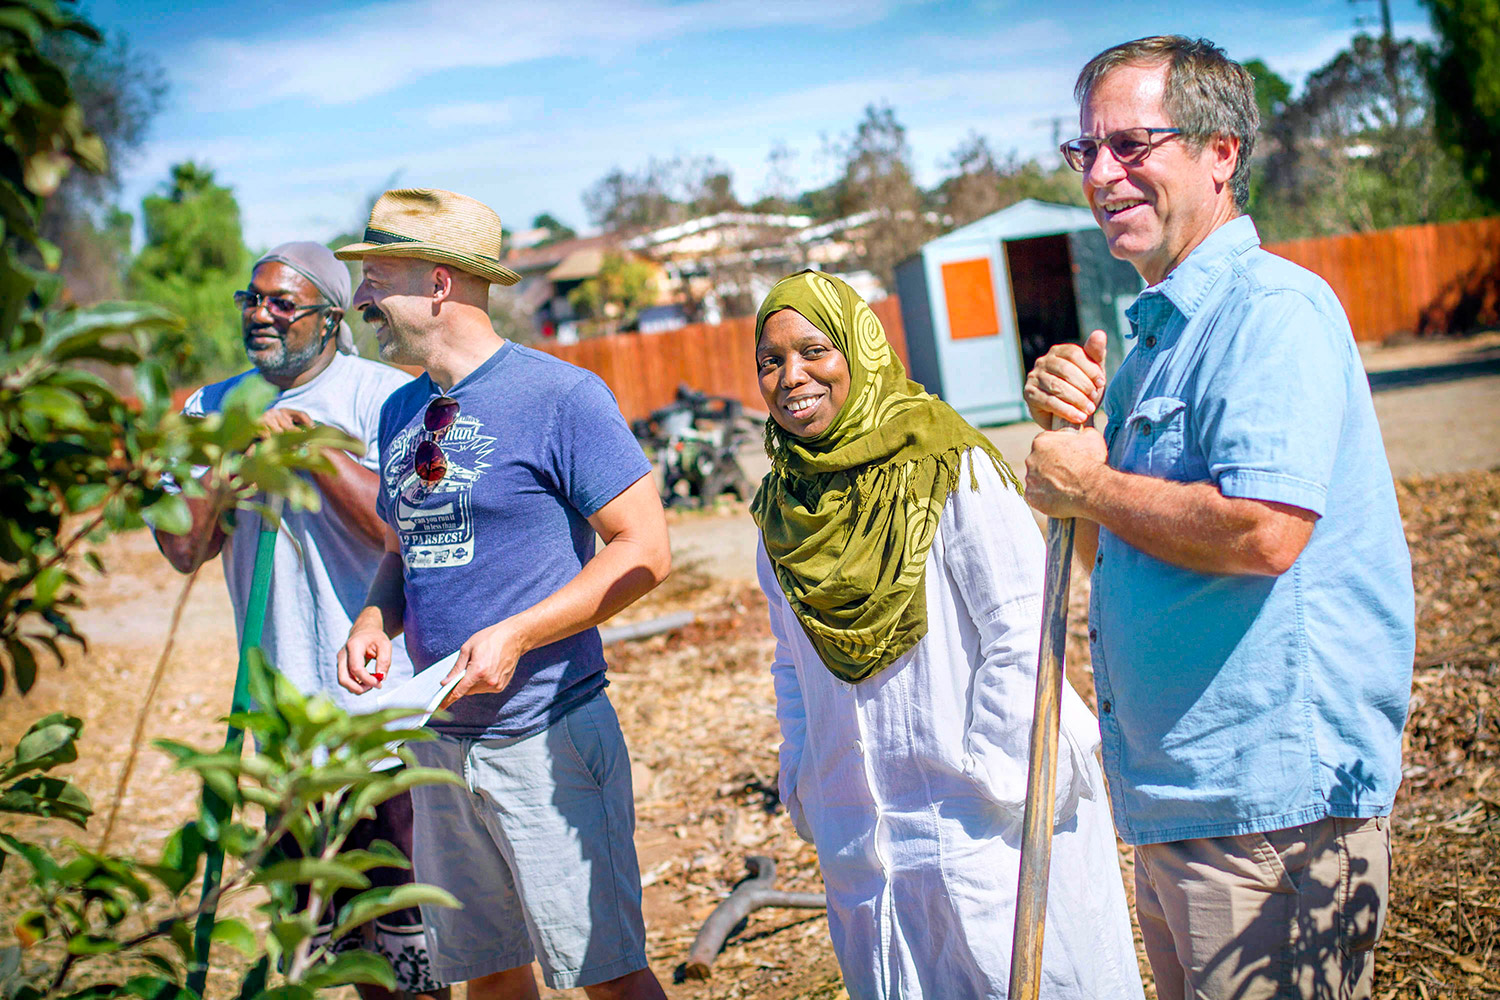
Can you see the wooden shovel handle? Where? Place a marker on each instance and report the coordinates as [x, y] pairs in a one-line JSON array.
[[1041, 778]]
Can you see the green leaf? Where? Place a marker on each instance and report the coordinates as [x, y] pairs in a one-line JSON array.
[[170, 514], [72, 333], [382, 854], [84, 497], [31, 927], [349, 968], [179, 859], [43, 796], [289, 992], [236, 934], [92, 944], [47, 746], [255, 980], [10, 963], [158, 988], [96, 991], [375, 903], [305, 870], [291, 932], [22, 663]]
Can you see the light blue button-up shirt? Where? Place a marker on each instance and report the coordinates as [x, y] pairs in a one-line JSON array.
[[1237, 704]]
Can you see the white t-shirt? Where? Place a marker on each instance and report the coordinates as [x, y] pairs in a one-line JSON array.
[[315, 592]]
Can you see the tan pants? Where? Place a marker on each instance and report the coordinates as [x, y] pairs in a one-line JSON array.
[[1293, 913]]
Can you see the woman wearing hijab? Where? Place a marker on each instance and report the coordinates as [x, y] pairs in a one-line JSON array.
[[904, 575]]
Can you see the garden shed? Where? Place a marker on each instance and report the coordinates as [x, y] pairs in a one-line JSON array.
[[983, 302]]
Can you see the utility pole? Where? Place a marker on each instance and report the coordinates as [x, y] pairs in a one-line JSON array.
[[1389, 56]]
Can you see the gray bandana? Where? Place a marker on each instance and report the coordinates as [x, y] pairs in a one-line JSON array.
[[328, 275]]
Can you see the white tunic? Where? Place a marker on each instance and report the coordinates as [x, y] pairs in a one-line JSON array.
[[912, 783]]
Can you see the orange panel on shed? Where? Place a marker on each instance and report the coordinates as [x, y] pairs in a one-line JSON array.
[[970, 293]]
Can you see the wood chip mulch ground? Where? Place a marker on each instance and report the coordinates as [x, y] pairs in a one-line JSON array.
[[698, 712]]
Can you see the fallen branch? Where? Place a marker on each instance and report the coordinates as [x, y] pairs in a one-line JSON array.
[[1464, 962], [647, 628], [750, 895]]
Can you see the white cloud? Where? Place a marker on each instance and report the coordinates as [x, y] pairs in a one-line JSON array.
[[337, 59], [476, 114]]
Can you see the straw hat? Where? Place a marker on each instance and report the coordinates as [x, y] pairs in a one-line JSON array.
[[439, 226]]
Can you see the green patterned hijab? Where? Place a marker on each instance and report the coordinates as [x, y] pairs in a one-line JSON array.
[[848, 517]]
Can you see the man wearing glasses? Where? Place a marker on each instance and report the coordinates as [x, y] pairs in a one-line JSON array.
[[499, 466], [292, 317], [1251, 609]]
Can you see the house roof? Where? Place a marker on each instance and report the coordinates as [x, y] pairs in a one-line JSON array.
[[667, 234], [578, 265], [532, 260]]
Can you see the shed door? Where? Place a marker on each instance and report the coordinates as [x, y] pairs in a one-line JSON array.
[[974, 326]]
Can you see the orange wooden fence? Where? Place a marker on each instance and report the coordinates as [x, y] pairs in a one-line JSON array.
[[644, 370], [1438, 278]]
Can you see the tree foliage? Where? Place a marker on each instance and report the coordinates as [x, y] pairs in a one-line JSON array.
[[614, 298], [1465, 78], [193, 260], [119, 90], [557, 230], [877, 178], [660, 193], [978, 183], [1351, 154], [78, 461]]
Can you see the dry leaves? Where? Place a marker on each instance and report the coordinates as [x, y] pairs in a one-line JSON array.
[[699, 715]]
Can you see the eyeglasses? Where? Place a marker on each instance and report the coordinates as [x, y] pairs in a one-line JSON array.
[[428, 461], [1129, 146], [279, 306]]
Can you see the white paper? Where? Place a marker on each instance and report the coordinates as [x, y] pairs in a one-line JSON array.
[[423, 693]]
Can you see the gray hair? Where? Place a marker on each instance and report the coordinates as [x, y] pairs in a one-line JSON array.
[[1207, 93]]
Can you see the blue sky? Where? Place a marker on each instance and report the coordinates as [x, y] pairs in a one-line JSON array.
[[305, 108]]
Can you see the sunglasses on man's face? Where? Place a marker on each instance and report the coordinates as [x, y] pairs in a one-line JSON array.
[[1128, 146], [280, 307], [428, 461]]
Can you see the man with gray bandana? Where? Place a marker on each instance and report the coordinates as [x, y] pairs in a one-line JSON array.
[[292, 316]]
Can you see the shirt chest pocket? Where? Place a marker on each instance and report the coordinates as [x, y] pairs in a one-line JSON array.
[[1153, 439]]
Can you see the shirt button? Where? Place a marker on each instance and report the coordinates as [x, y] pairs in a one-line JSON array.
[[1145, 429], [1106, 707], [1099, 560], [1150, 341], [1093, 635], [859, 747]]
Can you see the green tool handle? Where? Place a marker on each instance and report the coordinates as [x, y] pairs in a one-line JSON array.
[[215, 807]]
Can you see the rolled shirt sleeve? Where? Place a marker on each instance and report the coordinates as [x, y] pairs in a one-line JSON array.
[[1269, 403]]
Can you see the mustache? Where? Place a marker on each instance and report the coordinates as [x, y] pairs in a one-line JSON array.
[[262, 330], [371, 314]]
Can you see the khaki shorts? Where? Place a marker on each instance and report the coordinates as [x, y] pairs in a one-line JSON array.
[[1292, 913]]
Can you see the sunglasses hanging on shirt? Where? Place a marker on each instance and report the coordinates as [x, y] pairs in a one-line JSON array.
[[429, 463]]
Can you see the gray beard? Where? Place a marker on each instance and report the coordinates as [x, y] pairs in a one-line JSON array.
[[278, 362]]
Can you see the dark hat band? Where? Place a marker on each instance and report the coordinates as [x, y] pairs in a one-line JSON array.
[[373, 235]]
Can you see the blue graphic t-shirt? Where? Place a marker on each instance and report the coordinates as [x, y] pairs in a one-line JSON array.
[[539, 446]]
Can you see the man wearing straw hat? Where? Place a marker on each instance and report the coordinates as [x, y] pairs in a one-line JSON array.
[[498, 467], [292, 317]]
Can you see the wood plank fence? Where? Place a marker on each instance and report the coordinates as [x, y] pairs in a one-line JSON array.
[[644, 370], [1437, 278]]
